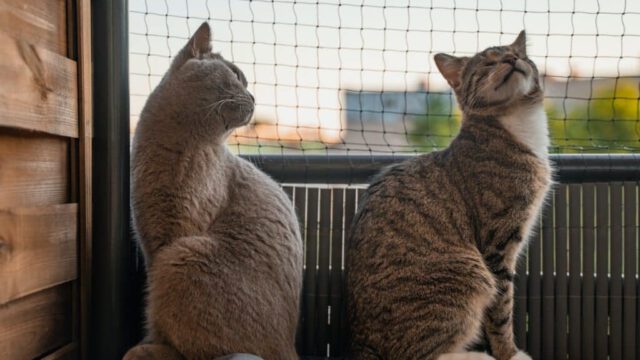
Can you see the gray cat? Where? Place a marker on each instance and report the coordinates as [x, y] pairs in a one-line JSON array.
[[433, 249], [220, 238]]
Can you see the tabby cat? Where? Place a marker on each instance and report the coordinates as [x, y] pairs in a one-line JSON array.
[[433, 249], [221, 240]]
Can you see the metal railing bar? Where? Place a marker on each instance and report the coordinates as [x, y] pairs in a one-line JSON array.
[[358, 169]]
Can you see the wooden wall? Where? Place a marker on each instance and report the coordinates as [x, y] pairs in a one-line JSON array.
[[45, 177]]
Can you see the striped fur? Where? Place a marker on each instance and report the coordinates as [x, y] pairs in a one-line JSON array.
[[433, 249]]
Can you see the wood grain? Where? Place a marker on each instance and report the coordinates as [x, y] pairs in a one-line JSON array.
[[38, 90], [37, 324], [67, 352], [34, 169], [39, 22], [85, 94], [38, 249]]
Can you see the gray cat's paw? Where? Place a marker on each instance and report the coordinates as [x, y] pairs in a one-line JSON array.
[[152, 352], [239, 357], [520, 355]]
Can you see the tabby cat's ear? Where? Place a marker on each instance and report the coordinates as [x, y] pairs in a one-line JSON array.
[[200, 42], [450, 67], [520, 45]]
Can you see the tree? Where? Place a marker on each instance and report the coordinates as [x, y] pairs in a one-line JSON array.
[[438, 126], [607, 123]]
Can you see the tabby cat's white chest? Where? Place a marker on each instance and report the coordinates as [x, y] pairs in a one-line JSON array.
[[529, 126]]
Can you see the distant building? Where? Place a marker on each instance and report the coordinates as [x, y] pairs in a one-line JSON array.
[[381, 121]]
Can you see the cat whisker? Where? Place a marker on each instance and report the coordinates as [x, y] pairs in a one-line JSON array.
[[216, 107], [235, 95], [219, 102]]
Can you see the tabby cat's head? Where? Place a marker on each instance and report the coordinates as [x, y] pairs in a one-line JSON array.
[[494, 80], [204, 91]]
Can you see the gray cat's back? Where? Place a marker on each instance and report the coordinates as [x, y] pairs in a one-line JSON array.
[[220, 238], [260, 198], [257, 202], [231, 255]]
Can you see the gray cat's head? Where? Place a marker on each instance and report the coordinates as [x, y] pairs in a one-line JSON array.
[[494, 80], [202, 90]]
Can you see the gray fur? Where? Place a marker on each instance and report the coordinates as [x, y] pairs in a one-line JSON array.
[[220, 238]]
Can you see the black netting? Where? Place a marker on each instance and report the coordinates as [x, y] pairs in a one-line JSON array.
[[352, 77]]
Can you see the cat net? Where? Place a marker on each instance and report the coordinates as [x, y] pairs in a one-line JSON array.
[[354, 81], [358, 78]]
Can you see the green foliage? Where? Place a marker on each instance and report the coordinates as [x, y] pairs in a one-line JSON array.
[[438, 126], [607, 123]]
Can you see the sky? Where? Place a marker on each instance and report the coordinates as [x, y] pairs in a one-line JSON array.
[[299, 55]]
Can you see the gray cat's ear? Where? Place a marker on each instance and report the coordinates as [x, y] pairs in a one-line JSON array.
[[200, 42], [450, 67], [520, 45]]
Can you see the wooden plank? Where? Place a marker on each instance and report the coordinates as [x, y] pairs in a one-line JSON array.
[[311, 262], [300, 205], [75, 306], [350, 209], [38, 249], [300, 201], [520, 304], [324, 255], [38, 89], [36, 324], [360, 196], [588, 271], [335, 301], [289, 191], [74, 177], [41, 23], [72, 31], [615, 290], [602, 272], [34, 170], [534, 305], [630, 261], [350, 202], [561, 288], [548, 290], [74, 189], [67, 352], [85, 112], [575, 266]]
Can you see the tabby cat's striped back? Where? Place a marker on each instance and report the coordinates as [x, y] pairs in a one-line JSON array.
[[433, 249]]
